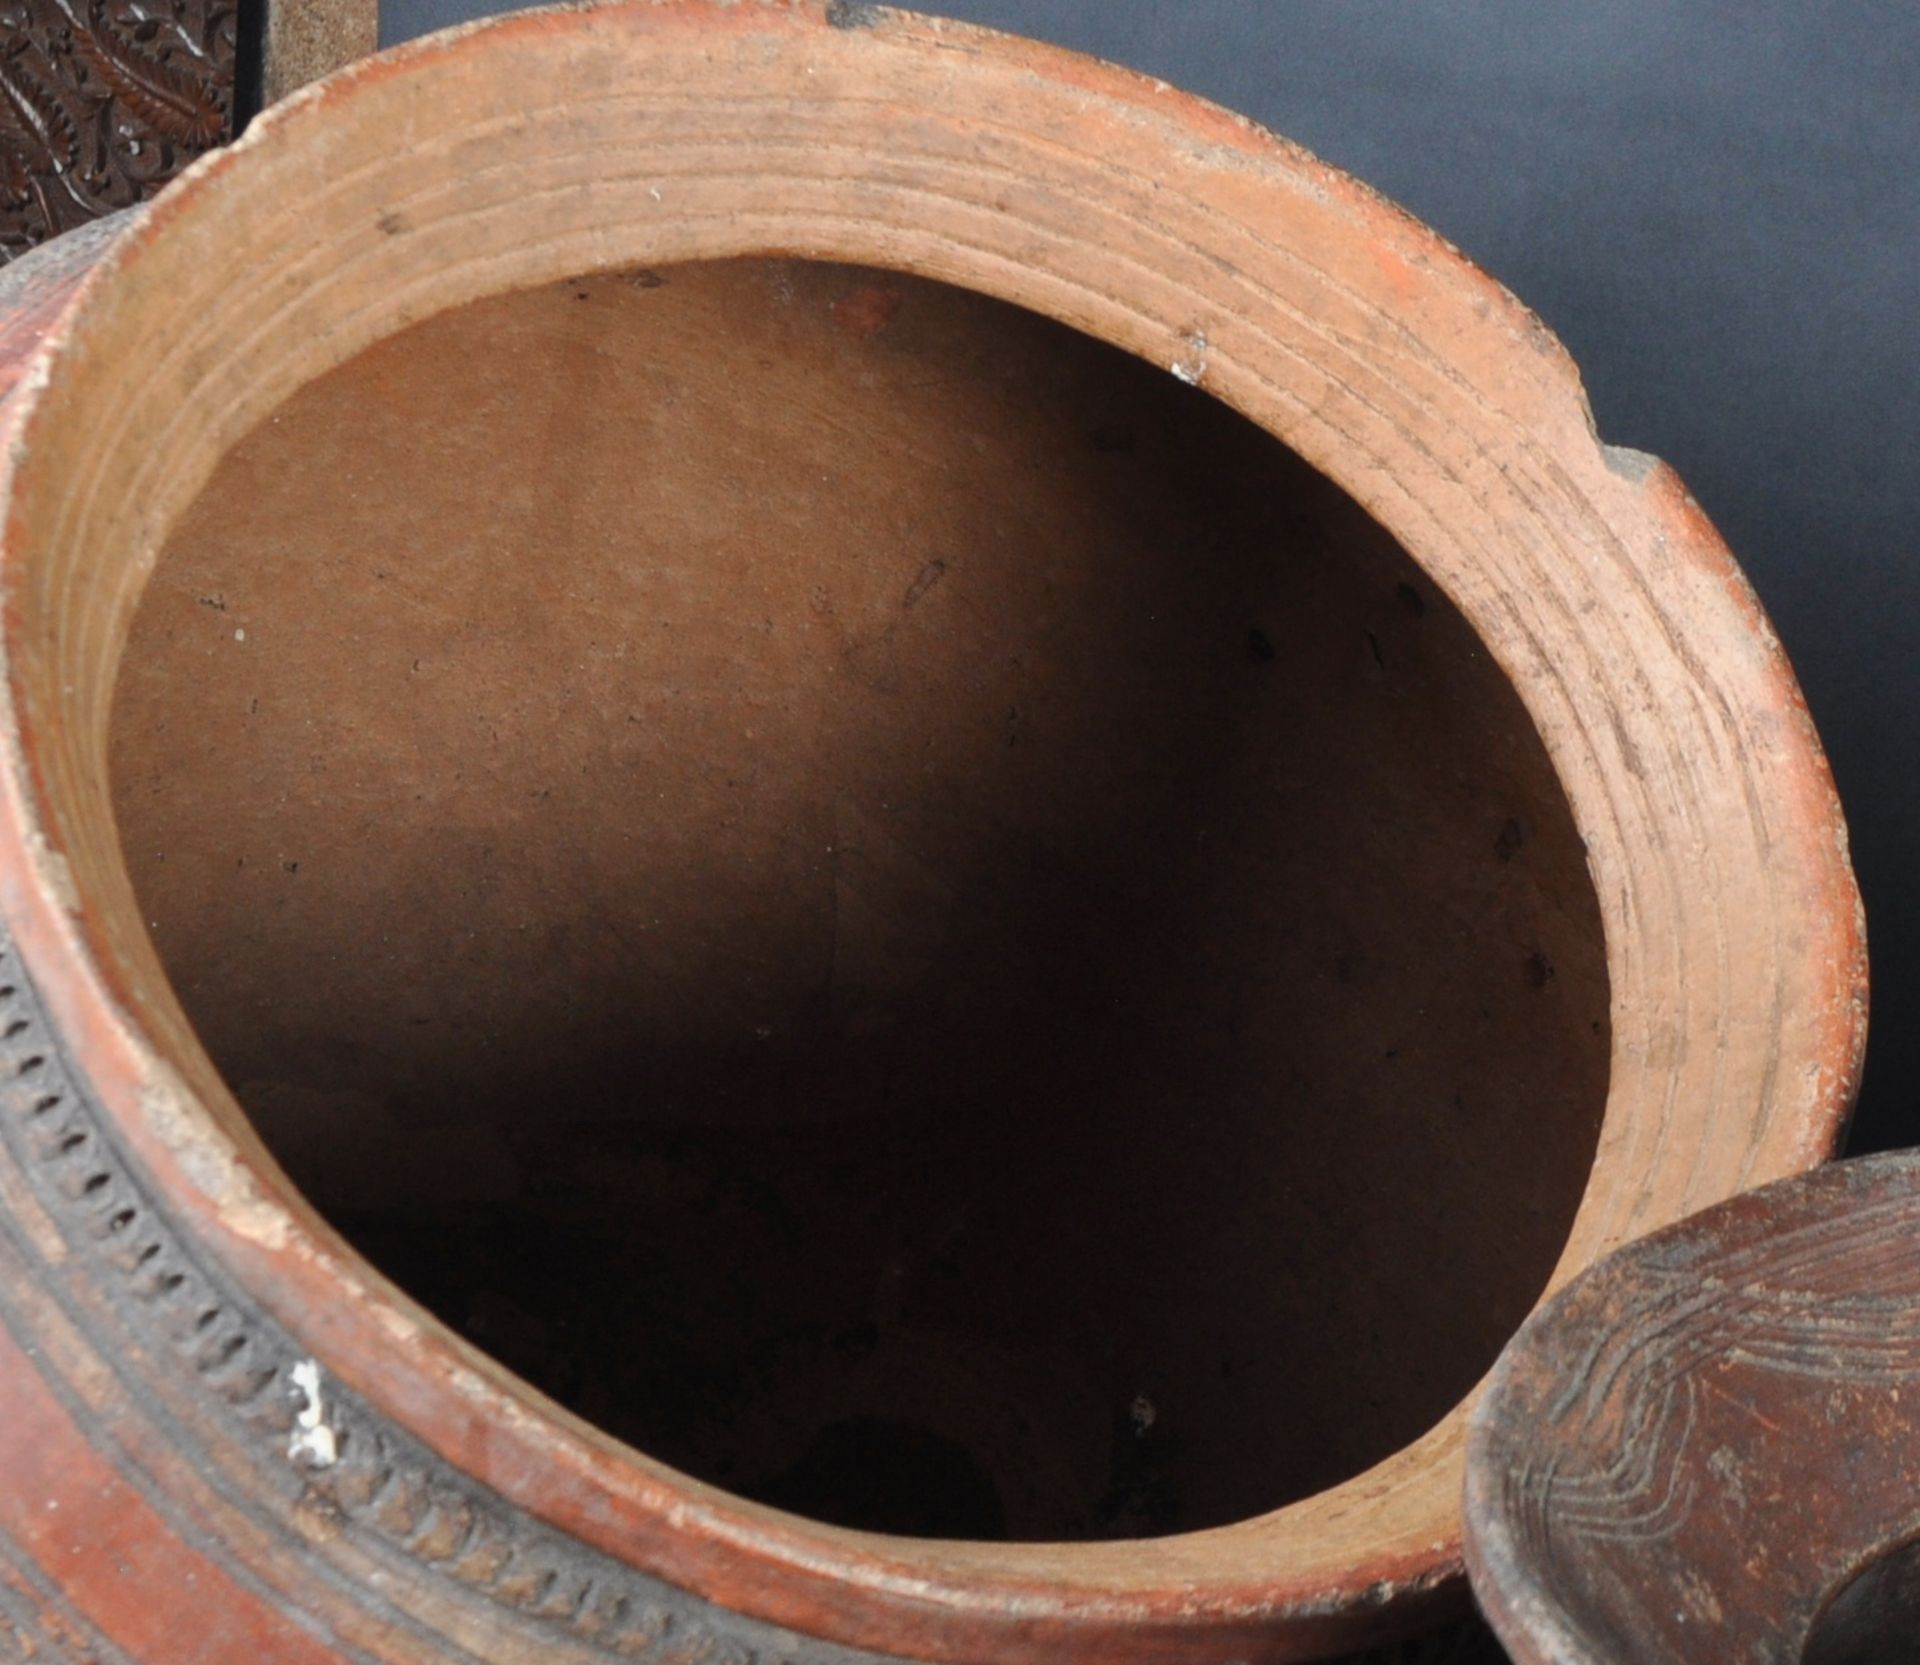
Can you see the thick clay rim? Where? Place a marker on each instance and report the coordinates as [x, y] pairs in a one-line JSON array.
[[558, 142]]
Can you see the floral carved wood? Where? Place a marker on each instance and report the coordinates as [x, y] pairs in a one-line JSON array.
[[102, 102]]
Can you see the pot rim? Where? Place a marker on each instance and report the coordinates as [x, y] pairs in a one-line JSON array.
[[1144, 216]]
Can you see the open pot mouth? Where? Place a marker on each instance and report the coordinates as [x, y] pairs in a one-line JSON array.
[[650, 137], [904, 911]]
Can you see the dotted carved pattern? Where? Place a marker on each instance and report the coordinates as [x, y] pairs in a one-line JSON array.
[[102, 102], [548, 1595]]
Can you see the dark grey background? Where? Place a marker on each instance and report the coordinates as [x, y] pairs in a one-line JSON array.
[[1717, 206]]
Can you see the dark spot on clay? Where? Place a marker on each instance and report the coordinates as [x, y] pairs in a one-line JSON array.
[[646, 278], [1411, 599], [1260, 646], [1507, 845], [217, 602], [929, 575], [1539, 970], [394, 223], [1629, 752], [1114, 437], [847, 14], [291, 866], [581, 295]]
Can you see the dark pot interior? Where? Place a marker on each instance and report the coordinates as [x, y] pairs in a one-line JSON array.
[[897, 907], [1874, 1617]]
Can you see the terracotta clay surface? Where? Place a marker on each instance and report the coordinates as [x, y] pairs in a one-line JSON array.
[[206, 1369], [1709, 1446]]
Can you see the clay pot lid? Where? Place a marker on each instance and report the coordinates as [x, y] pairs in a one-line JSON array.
[[1710, 1434], [553, 143]]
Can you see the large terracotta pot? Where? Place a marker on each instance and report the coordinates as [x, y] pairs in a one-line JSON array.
[[959, 794]]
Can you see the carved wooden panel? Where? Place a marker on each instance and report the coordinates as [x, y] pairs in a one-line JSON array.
[[102, 102]]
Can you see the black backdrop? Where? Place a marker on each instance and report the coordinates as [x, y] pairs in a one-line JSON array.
[[1717, 205]]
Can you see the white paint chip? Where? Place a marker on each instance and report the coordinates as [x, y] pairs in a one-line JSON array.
[[311, 1440], [1191, 366]]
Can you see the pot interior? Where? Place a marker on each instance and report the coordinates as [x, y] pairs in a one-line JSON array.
[[1872, 1618], [896, 906]]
